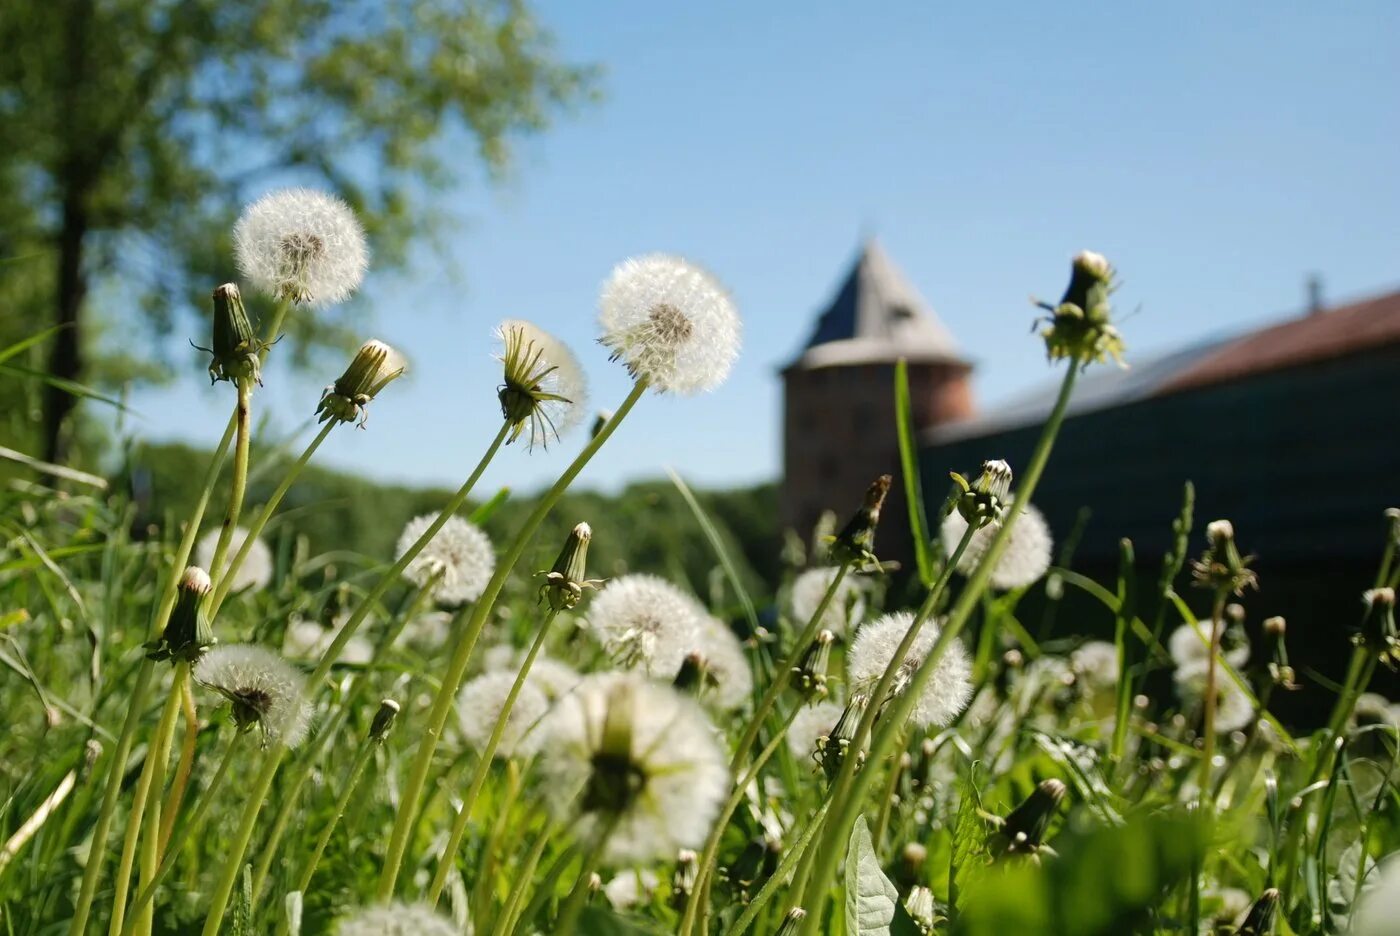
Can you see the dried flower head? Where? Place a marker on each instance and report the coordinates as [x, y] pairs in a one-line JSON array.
[[847, 604], [373, 367], [396, 919], [479, 706], [645, 622], [1378, 632], [256, 568], [1023, 830], [459, 555], [1027, 554], [670, 322], [543, 388], [983, 500], [264, 690], [301, 245], [946, 692], [728, 677], [635, 762], [855, 544], [809, 726], [1221, 566]]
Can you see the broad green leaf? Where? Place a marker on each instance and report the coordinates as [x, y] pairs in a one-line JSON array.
[[969, 837], [870, 897]]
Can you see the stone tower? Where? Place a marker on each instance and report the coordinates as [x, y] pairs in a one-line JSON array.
[[839, 429]]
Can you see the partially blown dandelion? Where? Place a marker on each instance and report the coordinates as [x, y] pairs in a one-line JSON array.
[[255, 571], [396, 919], [947, 691], [635, 762], [670, 322], [644, 622], [543, 388], [1027, 554], [265, 691], [301, 245], [479, 705], [460, 553]]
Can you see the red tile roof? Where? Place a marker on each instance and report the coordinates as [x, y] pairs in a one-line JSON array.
[[1332, 333]]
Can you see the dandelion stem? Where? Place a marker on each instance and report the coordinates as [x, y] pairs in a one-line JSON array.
[[486, 867], [255, 529], [505, 923], [228, 876], [342, 802], [849, 802], [1217, 622], [171, 809], [877, 834], [483, 763], [243, 415], [461, 651], [546, 886], [770, 887], [567, 923]]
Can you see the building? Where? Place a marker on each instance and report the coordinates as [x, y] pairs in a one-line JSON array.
[[839, 430]]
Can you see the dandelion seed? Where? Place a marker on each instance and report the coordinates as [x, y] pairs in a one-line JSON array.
[[301, 245], [553, 678], [479, 706], [847, 605], [544, 389], [670, 323], [726, 664], [644, 622], [264, 690], [255, 571], [396, 919], [1027, 554], [634, 761], [459, 552], [1095, 665], [946, 692], [1189, 645], [809, 726]]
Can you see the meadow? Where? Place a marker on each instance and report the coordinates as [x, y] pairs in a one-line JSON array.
[[213, 727]]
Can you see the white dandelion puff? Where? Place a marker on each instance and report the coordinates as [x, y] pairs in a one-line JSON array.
[[670, 322], [396, 919], [308, 640], [544, 389], [301, 245], [429, 630], [549, 675], [264, 690], [1233, 710], [726, 664], [847, 605], [946, 692], [1372, 708], [1189, 645], [631, 887], [636, 761], [459, 552], [479, 706], [809, 726], [1095, 665], [1379, 906], [254, 572], [645, 622], [1027, 554]]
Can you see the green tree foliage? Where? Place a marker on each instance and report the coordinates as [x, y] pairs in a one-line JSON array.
[[134, 129]]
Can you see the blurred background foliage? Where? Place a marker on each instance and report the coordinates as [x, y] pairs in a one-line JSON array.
[[136, 129]]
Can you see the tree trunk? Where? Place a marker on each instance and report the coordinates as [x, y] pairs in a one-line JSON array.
[[65, 360]]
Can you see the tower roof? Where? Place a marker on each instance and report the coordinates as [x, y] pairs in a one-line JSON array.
[[877, 317]]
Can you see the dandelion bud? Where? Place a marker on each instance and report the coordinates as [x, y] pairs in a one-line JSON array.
[[189, 632], [921, 907], [543, 387], [383, 720], [1260, 921], [810, 673], [833, 749], [237, 349], [1275, 626], [909, 870], [856, 542], [1023, 831], [981, 502], [1234, 613], [1219, 532], [1078, 328], [1221, 567], [756, 863], [1378, 633], [792, 922], [564, 584], [371, 370]]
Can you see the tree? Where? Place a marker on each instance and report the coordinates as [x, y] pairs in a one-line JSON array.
[[136, 128]]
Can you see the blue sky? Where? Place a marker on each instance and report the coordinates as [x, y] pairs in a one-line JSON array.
[[1217, 153]]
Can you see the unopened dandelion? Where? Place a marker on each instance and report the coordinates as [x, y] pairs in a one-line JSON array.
[[459, 557], [301, 245], [809, 726]]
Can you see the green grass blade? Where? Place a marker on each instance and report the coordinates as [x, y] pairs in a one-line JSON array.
[[731, 571]]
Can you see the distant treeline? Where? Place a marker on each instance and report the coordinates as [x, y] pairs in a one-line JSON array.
[[648, 527]]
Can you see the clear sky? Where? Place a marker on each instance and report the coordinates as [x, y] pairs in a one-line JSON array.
[[1217, 153]]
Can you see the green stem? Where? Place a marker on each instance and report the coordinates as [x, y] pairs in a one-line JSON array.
[[547, 884], [567, 923], [505, 923], [755, 724], [486, 865], [461, 651], [178, 840], [877, 834], [341, 804], [884, 740], [150, 853], [256, 527], [1217, 624], [116, 767], [770, 887], [152, 777], [483, 763], [243, 414]]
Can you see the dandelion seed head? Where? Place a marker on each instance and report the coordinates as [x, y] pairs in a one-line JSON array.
[[264, 689], [460, 552], [948, 689], [638, 756], [847, 605], [301, 245], [1189, 645], [1095, 665], [1027, 554], [479, 705], [396, 919], [1233, 710], [256, 570], [809, 726], [549, 675], [726, 663], [631, 887], [307, 640], [1379, 906], [645, 622], [670, 322], [430, 630], [545, 388]]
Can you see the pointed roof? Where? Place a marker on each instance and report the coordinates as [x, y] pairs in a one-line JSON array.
[[877, 317]]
